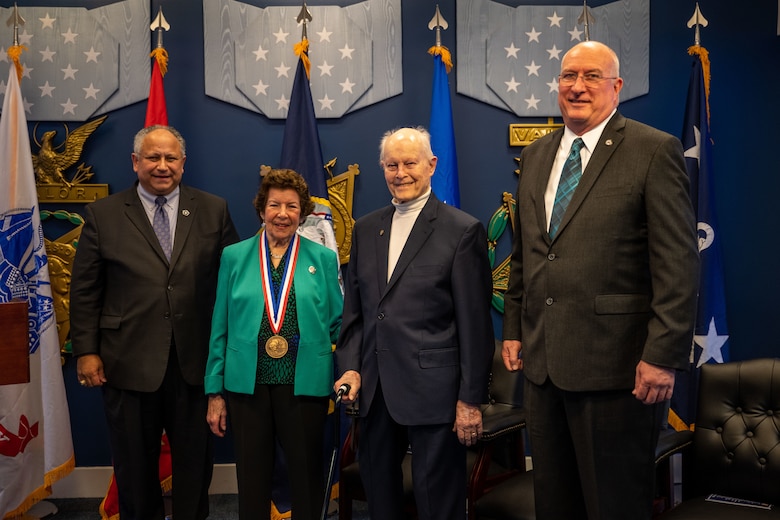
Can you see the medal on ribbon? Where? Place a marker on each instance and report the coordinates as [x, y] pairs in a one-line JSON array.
[[276, 305]]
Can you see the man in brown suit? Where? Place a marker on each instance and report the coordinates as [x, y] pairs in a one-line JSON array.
[[601, 296]]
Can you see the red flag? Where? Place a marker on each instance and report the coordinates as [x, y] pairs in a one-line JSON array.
[[156, 113]]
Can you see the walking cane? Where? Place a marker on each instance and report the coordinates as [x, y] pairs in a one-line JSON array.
[[343, 389]]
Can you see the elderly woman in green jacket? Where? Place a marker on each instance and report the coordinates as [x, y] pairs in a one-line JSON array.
[[276, 316]]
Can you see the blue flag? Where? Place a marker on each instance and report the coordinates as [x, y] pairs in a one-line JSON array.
[[445, 180], [301, 152], [710, 341]]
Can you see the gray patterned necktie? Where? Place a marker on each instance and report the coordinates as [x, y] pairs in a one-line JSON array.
[[162, 227], [570, 178]]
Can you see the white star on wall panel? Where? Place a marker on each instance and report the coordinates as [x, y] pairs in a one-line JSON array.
[[510, 57], [355, 55], [81, 63]]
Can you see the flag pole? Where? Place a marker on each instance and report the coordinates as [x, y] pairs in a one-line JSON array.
[[445, 179], [15, 52], [711, 335], [156, 109]]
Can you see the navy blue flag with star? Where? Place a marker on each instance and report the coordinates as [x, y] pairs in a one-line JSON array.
[[710, 340], [301, 151]]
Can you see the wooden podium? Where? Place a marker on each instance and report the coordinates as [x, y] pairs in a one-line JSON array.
[[14, 351]]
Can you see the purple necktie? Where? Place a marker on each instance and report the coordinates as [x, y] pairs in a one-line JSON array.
[[162, 227]]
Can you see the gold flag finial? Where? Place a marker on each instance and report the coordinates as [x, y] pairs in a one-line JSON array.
[[15, 51], [438, 23]]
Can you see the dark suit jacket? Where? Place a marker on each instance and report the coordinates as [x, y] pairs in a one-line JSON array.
[[619, 281], [128, 303], [427, 333]]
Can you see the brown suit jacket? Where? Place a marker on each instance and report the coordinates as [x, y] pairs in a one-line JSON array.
[[619, 281]]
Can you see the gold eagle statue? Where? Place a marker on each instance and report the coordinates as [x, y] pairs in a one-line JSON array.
[[50, 163]]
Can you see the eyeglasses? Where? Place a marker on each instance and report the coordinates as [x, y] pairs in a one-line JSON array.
[[591, 79]]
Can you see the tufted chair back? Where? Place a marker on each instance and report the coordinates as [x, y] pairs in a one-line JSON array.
[[737, 437]]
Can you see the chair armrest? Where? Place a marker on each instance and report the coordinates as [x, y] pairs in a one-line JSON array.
[[499, 419], [671, 442]]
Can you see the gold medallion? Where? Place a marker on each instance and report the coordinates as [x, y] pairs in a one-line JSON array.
[[276, 346]]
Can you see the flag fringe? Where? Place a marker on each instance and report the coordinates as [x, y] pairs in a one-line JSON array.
[[444, 52], [677, 423], [302, 51], [321, 200], [277, 515], [44, 490], [704, 56], [161, 55], [15, 52]]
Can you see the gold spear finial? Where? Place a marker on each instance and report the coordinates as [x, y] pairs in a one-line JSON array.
[[586, 18], [697, 20], [304, 17]]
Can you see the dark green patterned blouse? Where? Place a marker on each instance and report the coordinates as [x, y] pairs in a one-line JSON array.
[[280, 371]]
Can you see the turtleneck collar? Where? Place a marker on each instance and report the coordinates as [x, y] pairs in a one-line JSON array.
[[413, 205]]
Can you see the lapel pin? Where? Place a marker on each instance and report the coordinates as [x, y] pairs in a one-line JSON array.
[[608, 142], [381, 232], [312, 269], [185, 212]]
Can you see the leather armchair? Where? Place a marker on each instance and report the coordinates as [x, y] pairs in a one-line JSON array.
[[735, 450]]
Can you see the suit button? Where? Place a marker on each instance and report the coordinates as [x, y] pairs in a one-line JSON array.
[[549, 301], [167, 315], [381, 316], [551, 257], [170, 287]]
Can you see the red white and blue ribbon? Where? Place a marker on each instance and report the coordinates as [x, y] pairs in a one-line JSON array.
[[276, 306]]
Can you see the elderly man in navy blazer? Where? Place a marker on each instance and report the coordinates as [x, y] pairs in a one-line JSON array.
[[601, 296], [140, 319], [416, 338]]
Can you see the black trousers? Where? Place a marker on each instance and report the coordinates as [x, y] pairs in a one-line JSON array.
[[298, 422], [136, 421], [593, 453], [438, 466]]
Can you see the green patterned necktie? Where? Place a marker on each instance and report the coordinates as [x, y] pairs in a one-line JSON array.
[[570, 178]]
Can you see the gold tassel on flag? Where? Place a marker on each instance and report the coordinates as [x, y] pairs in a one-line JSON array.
[[704, 56], [444, 52], [15, 52], [161, 55], [302, 51]]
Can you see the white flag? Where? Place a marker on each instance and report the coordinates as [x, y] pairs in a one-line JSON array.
[[36, 448]]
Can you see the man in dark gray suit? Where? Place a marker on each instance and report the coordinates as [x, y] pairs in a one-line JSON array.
[[601, 296], [140, 317], [416, 337]]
